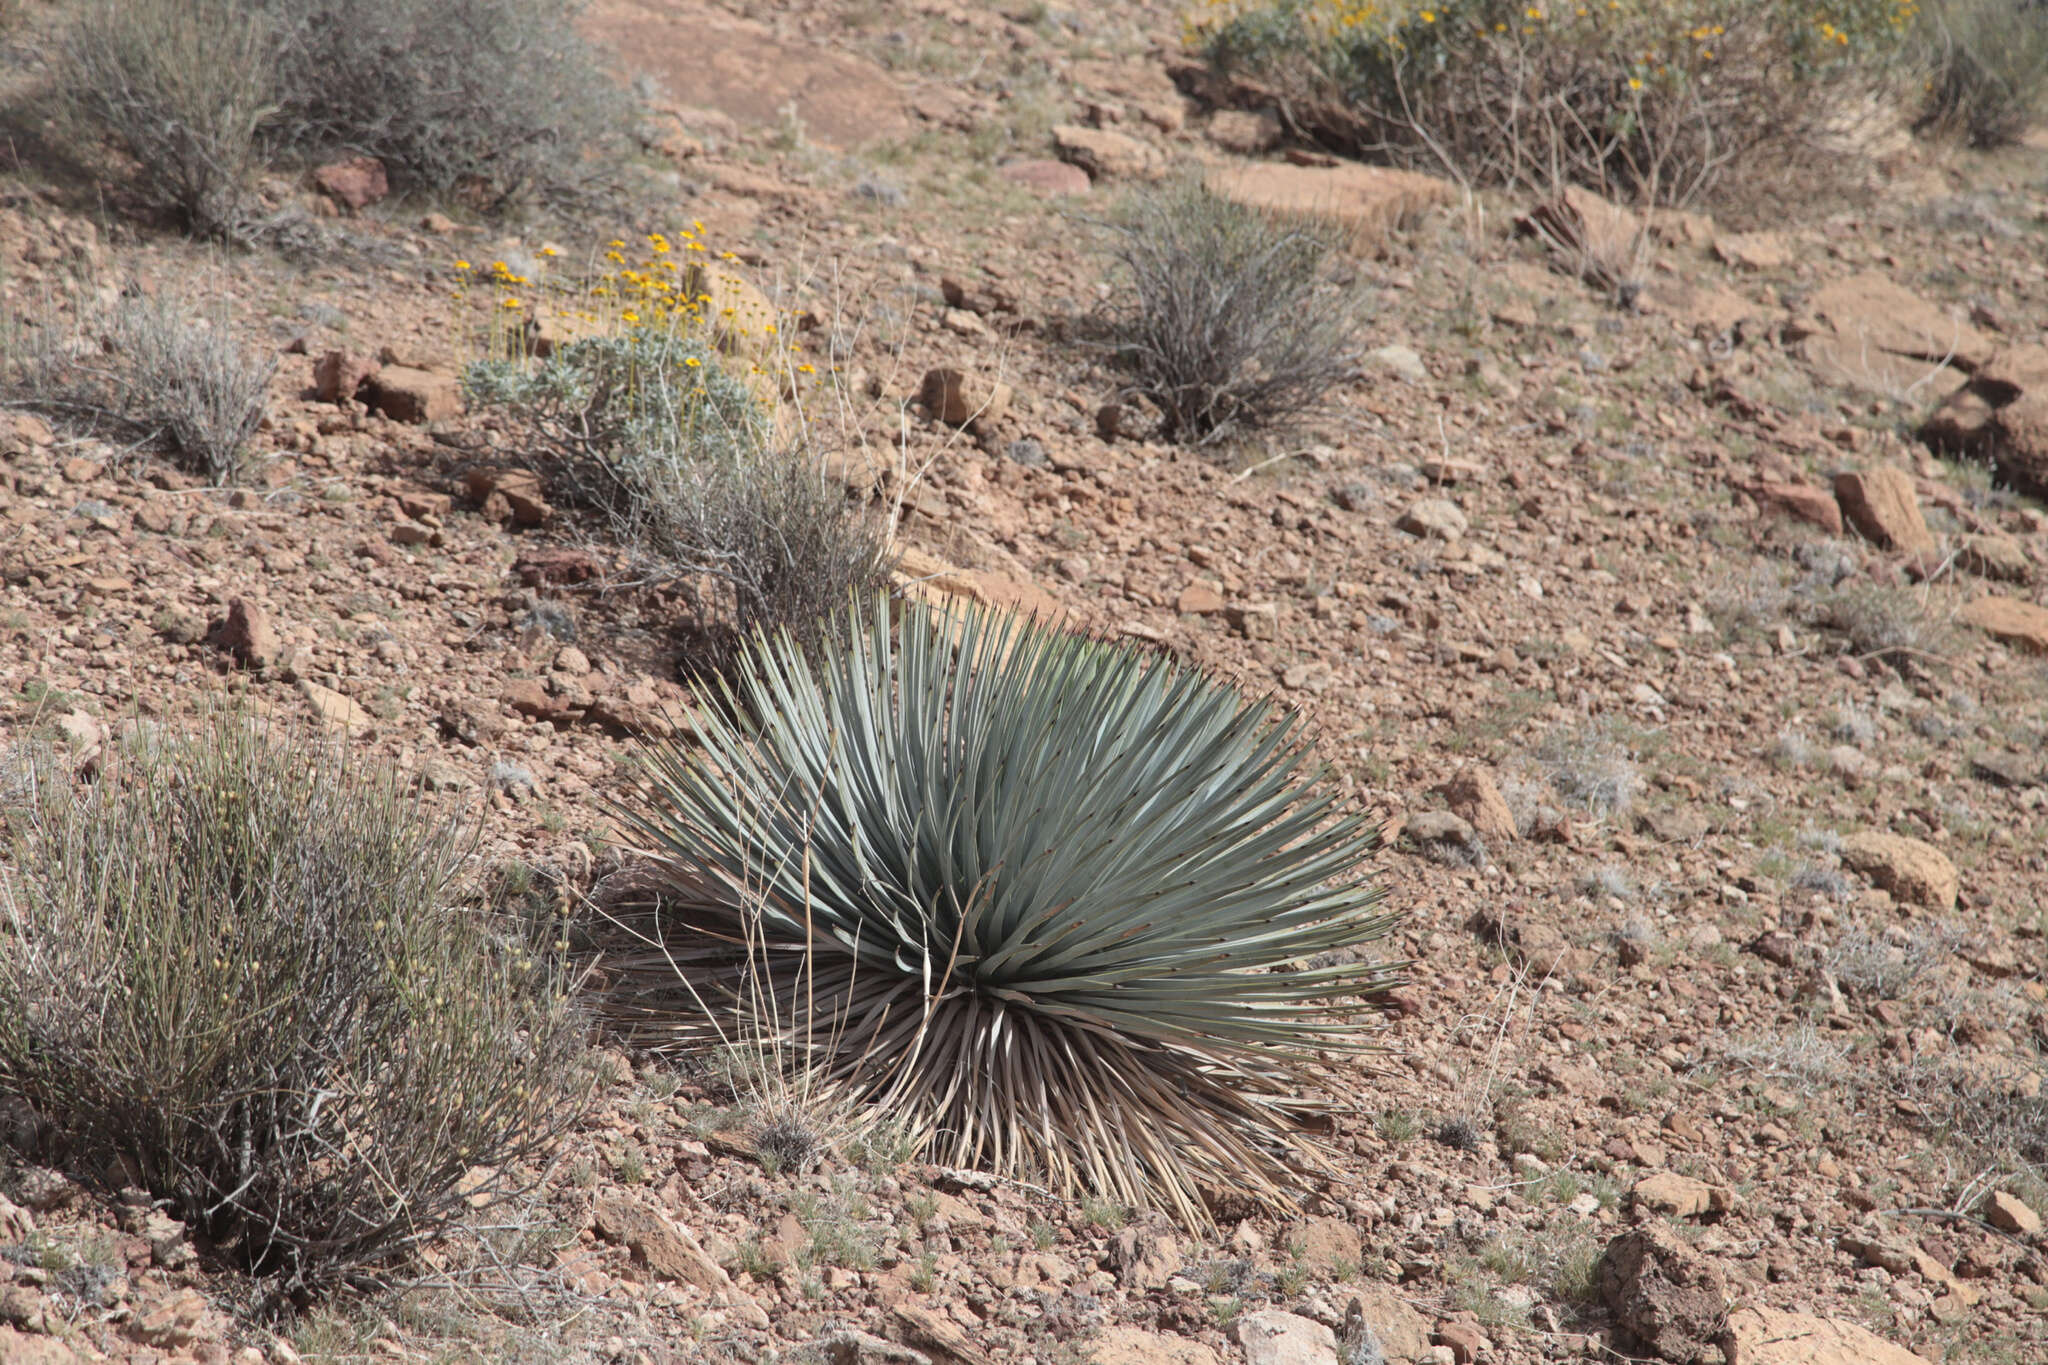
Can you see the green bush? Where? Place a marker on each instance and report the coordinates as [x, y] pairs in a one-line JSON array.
[[1226, 319], [232, 972], [176, 89], [498, 100], [654, 426], [144, 369], [1987, 63], [1656, 99], [1058, 906]]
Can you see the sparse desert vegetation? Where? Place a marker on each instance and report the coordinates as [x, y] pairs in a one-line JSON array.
[[1246, 682]]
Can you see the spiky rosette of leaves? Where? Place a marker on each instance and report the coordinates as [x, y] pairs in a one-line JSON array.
[[1070, 909]]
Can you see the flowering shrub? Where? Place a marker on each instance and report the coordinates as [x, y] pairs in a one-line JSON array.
[[661, 391], [1657, 98]]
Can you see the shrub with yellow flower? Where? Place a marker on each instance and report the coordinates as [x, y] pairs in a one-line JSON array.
[[1653, 98]]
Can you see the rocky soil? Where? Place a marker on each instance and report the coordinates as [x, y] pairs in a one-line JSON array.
[[1698, 675]]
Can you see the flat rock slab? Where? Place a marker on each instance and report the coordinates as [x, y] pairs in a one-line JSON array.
[[1869, 332], [1765, 1336], [2022, 625], [1131, 1346], [1368, 202], [710, 57]]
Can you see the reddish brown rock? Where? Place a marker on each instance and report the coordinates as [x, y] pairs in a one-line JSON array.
[[1667, 1298], [513, 494], [960, 397], [247, 634], [1801, 501], [1366, 202], [1245, 132], [1912, 871], [1107, 155], [1871, 332], [406, 394], [2009, 1213], [355, 182], [1472, 796], [1046, 177], [334, 708], [1768, 1336], [339, 376], [1680, 1196], [1882, 505], [554, 566], [2022, 625]]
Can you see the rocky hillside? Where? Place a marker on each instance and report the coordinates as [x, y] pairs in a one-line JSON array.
[[1693, 647]]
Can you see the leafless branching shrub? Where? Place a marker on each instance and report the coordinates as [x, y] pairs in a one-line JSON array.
[[1227, 319], [145, 370], [177, 89], [1656, 102]]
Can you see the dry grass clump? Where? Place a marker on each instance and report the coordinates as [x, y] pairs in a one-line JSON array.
[[1893, 965], [234, 971], [1228, 320], [1893, 626], [144, 370], [1592, 766], [1656, 99]]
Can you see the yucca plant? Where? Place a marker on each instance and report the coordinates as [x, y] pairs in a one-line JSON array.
[[1051, 901]]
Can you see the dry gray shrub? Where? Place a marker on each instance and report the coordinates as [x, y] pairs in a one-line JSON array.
[[1228, 320], [495, 100], [144, 370], [1886, 624], [176, 89], [655, 429], [1591, 766], [1894, 965]]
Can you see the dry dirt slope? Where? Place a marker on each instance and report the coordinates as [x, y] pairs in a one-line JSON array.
[[1721, 788]]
